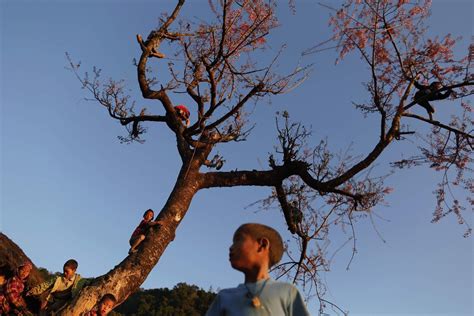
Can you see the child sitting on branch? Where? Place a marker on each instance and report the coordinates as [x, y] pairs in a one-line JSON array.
[[140, 232]]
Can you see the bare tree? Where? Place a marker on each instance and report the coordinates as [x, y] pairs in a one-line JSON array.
[[220, 76]]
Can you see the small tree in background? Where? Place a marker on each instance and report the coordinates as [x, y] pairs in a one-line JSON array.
[[220, 74]]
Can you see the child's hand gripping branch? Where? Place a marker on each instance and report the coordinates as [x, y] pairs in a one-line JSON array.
[[140, 232]]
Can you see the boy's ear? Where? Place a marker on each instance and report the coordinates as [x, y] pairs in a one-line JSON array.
[[264, 243]]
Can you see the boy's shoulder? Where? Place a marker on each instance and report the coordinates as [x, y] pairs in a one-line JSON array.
[[280, 284], [231, 290], [269, 284]]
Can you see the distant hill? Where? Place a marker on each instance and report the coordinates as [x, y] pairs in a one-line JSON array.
[[182, 300], [11, 256]]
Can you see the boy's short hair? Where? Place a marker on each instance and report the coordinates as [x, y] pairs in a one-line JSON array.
[[109, 297], [148, 210], [71, 263], [259, 231]]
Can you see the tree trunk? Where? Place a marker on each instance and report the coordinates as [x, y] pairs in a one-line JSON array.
[[125, 278]]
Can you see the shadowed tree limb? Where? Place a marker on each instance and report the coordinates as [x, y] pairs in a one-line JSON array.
[[439, 124], [270, 178]]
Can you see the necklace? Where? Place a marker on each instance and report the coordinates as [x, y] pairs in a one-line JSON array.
[[254, 298]]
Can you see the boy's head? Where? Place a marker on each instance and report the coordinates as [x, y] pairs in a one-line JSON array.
[[24, 270], [70, 268], [148, 215], [106, 304], [436, 85], [254, 244]]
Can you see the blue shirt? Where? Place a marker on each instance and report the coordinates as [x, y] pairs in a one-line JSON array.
[[276, 298]]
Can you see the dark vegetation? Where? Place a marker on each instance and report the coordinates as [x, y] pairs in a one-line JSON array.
[[182, 300]]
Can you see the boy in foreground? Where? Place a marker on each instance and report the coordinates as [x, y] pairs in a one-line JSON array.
[[255, 249]]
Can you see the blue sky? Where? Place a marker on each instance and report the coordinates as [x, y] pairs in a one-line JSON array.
[[69, 189]]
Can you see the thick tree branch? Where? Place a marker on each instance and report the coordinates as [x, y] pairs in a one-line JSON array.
[[150, 48], [271, 178]]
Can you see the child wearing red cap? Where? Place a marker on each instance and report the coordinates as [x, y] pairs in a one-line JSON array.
[[183, 113]]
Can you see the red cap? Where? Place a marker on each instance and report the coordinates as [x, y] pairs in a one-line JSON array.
[[184, 109]]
